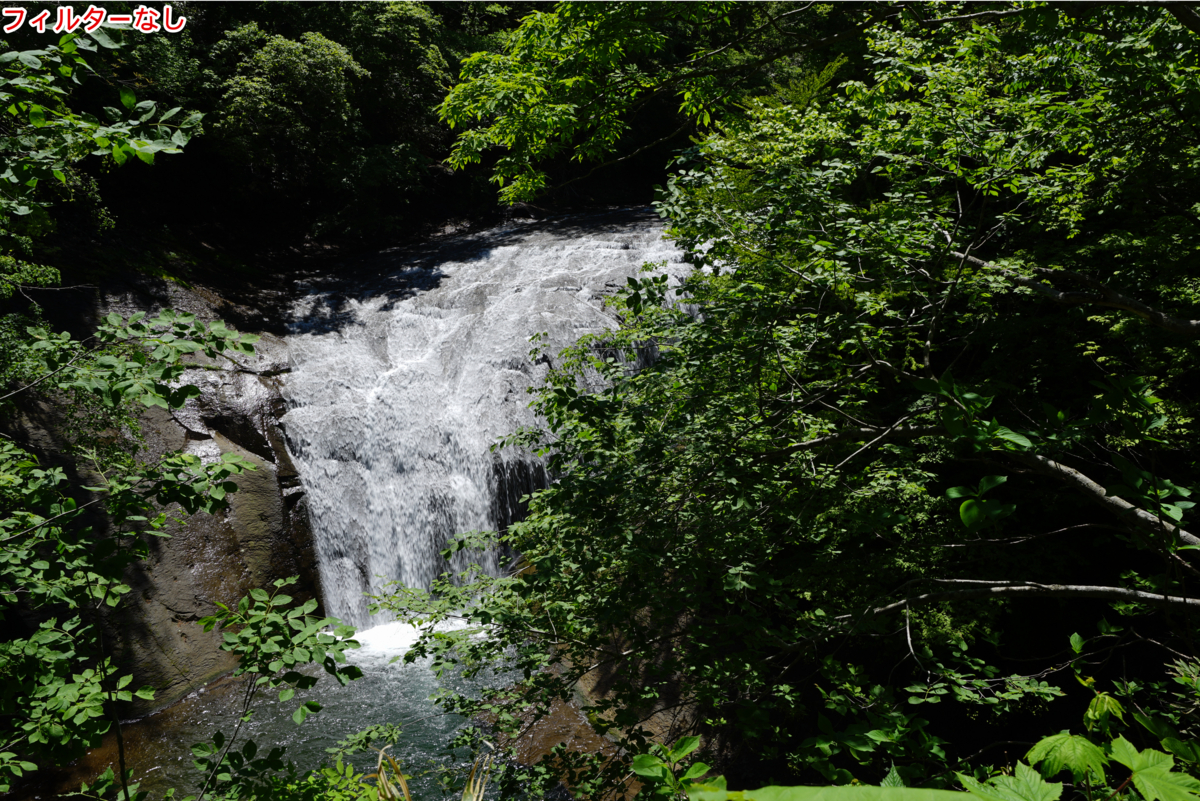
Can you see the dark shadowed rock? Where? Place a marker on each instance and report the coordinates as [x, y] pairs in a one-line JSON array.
[[261, 537]]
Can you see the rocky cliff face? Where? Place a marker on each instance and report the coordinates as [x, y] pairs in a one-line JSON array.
[[262, 536]]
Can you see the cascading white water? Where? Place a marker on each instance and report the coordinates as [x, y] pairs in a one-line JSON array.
[[405, 371], [401, 383]]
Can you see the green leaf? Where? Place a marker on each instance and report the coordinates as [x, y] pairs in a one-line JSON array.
[[1066, 751], [1188, 751], [846, 793], [128, 100], [972, 513], [1160, 783], [1124, 752], [711, 790], [1025, 785], [683, 747], [649, 766], [991, 482], [1102, 706], [1156, 726], [102, 38], [1013, 438]]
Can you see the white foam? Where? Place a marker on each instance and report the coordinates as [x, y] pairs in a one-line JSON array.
[[396, 637], [398, 394]]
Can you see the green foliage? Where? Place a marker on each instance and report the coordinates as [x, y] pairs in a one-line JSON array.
[[247, 776], [1150, 772], [857, 793], [65, 548], [658, 768], [927, 405], [976, 511], [387, 733], [60, 564], [1071, 752], [49, 136], [142, 373], [43, 137], [923, 408], [319, 110], [244, 775], [568, 80], [305, 86], [273, 644], [1024, 785]]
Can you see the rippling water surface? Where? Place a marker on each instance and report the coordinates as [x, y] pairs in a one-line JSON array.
[[159, 747]]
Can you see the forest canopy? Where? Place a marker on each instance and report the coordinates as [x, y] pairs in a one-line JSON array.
[[908, 479], [895, 490]]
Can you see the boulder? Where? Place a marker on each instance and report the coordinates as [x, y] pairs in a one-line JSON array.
[[262, 536]]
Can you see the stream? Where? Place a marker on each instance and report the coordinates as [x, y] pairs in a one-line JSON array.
[[404, 372]]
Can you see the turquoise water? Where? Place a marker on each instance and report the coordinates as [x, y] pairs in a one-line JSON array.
[[388, 692]]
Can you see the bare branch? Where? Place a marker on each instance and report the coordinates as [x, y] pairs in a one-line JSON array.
[[1018, 540], [33, 384], [1037, 590], [1186, 16], [971, 17], [49, 520], [1139, 518], [886, 432], [858, 434], [34, 288], [1104, 296]]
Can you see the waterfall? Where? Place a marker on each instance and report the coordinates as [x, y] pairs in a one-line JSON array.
[[407, 371]]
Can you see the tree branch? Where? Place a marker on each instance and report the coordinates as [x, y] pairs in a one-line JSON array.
[[857, 434], [1139, 518], [33, 384], [1186, 16], [970, 17], [893, 427], [1035, 590], [1104, 297]]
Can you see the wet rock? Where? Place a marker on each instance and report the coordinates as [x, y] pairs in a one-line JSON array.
[[262, 536]]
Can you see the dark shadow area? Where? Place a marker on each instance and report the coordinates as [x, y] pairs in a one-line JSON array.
[[404, 272]]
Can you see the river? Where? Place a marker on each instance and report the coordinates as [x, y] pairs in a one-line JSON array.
[[405, 371]]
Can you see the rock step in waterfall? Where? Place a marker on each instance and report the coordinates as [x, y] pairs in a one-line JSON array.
[[400, 385]]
